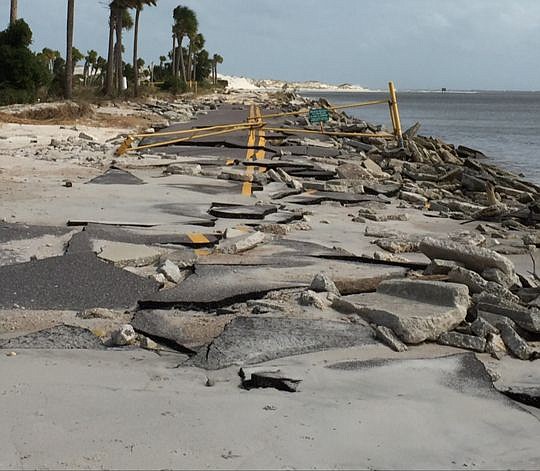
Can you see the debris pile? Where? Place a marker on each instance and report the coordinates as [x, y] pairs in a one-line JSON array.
[[268, 277]]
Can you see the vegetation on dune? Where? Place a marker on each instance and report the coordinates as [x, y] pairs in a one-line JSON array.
[[26, 76]]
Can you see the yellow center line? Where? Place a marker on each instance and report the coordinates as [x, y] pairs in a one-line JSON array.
[[198, 238]]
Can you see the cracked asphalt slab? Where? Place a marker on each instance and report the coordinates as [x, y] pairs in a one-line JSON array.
[[76, 281]]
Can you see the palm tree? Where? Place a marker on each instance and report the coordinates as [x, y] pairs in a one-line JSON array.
[[138, 5], [185, 24], [217, 59], [13, 12], [69, 51], [117, 10], [196, 44], [89, 65]]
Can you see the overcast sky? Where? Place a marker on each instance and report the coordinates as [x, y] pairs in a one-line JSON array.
[[420, 44]]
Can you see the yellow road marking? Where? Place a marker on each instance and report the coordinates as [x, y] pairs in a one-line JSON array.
[[198, 238], [202, 252]]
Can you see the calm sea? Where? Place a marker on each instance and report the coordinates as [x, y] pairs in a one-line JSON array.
[[503, 125]]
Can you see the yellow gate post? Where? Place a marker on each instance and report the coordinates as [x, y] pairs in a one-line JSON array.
[[394, 114]]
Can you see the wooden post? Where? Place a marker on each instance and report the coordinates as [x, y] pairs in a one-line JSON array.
[[396, 121], [322, 127]]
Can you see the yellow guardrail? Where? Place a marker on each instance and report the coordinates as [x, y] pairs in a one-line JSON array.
[[257, 122]]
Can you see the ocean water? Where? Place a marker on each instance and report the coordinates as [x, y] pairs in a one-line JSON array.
[[503, 125]]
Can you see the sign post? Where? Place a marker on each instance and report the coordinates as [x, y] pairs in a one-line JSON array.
[[319, 115]]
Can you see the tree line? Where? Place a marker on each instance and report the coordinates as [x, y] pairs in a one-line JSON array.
[[24, 74]]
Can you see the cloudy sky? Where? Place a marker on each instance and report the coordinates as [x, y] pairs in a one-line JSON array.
[[420, 44]]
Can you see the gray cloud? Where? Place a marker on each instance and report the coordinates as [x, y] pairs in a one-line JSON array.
[[465, 44]]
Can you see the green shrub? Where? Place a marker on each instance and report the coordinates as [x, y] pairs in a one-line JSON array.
[[174, 84], [22, 73]]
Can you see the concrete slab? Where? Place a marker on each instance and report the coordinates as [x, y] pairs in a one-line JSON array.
[[519, 380], [78, 281], [250, 340], [127, 255], [188, 330], [415, 310], [213, 286]]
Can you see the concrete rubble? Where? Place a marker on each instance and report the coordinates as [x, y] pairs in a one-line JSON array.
[[220, 254]]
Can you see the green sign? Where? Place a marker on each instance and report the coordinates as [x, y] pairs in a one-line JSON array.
[[319, 115]]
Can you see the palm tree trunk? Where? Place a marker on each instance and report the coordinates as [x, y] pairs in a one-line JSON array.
[[13, 12], [135, 58], [119, 61], [190, 60], [173, 60], [69, 52], [110, 57], [181, 54]]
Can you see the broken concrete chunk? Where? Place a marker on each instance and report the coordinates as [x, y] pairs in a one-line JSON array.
[[184, 169], [413, 198], [415, 310], [171, 271], [148, 344], [398, 245], [183, 329], [374, 169], [481, 328], [241, 244], [290, 181], [468, 342], [86, 136], [311, 298], [277, 381], [387, 336], [322, 283], [514, 342], [125, 335], [495, 346], [474, 258], [500, 277], [469, 278], [441, 267], [353, 172], [124, 255], [526, 318]]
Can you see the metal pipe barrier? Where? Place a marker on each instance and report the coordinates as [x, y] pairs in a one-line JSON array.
[[257, 123]]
